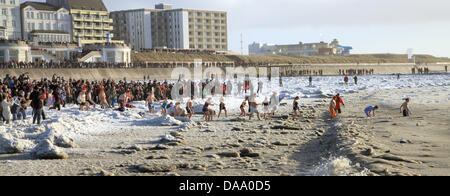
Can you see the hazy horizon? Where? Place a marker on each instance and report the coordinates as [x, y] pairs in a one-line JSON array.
[[368, 26]]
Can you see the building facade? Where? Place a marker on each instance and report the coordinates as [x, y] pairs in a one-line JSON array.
[[303, 49], [164, 27], [43, 22], [10, 26], [90, 20], [14, 51]]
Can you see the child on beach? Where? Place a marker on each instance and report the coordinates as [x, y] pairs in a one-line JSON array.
[[243, 113], [190, 107], [333, 108], [164, 105], [222, 107], [296, 108], [266, 109], [370, 109], [405, 109]]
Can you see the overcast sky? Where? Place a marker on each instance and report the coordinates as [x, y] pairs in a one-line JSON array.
[[370, 26]]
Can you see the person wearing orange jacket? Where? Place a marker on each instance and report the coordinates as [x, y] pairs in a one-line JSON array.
[[339, 101], [333, 108]]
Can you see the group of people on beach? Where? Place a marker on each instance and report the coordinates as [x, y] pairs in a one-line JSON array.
[[17, 94]]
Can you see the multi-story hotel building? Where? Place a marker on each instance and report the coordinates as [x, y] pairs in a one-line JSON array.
[[43, 22], [90, 20], [172, 28], [10, 27]]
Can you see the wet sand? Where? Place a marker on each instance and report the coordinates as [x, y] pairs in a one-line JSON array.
[[390, 144]]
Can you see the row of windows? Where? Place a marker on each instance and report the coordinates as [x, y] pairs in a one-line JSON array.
[[40, 26], [11, 2], [208, 40], [207, 27], [206, 14], [13, 23], [91, 31], [201, 46], [216, 34], [207, 21], [53, 38], [5, 11], [46, 16]]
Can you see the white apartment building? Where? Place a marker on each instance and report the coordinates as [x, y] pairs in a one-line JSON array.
[[164, 27], [10, 27], [43, 22]]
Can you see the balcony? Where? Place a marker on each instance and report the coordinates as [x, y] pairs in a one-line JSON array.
[[88, 19], [88, 26], [88, 34], [98, 27], [98, 19], [78, 26], [108, 28], [109, 20], [105, 35], [77, 18], [80, 34]]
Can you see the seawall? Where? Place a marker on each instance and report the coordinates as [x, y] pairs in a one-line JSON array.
[[166, 73]]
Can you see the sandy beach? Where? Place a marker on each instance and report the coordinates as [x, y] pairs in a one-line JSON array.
[[110, 143]]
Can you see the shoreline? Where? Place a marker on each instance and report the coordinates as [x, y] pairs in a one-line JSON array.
[[137, 74]]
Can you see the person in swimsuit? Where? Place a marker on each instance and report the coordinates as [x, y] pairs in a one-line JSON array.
[[177, 111], [253, 107], [266, 109], [405, 109], [190, 107], [244, 103], [208, 113], [150, 100], [370, 110], [296, 108], [164, 105], [222, 107]]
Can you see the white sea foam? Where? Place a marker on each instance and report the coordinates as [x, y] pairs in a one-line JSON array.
[[337, 166]]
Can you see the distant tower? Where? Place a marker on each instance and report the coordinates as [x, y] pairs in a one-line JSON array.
[[242, 45]]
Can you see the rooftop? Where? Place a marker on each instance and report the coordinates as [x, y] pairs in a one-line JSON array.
[[96, 5], [39, 6]]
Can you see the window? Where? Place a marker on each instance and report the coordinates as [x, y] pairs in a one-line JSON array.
[[13, 55], [2, 55], [5, 23], [4, 12]]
